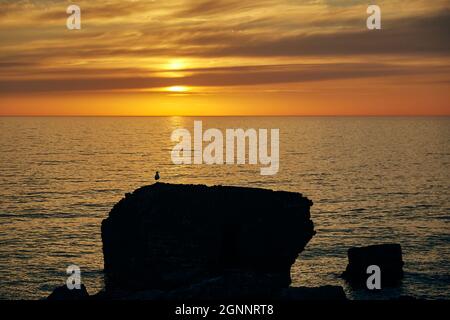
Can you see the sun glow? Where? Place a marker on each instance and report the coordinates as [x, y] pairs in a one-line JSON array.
[[177, 89], [176, 64]]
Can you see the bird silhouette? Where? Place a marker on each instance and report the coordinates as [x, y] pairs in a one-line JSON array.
[[157, 176]]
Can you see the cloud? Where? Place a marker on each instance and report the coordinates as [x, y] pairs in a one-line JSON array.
[[209, 7], [411, 36], [416, 36], [232, 76], [122, 41], [206, 8], [97, 11]]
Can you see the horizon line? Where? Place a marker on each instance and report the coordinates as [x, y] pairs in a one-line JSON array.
[[218, 116]]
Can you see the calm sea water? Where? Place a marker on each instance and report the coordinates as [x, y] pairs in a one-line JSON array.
[[372, 180]]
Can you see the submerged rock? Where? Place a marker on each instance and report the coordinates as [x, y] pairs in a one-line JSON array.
[[64, 293], [324, 293], [191, 240], [386, 256], [236, 285]]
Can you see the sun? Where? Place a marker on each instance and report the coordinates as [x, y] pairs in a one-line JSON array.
[[176, 64], [177, 89]]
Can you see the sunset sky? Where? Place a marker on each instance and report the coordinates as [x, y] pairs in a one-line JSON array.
[[225, 57]]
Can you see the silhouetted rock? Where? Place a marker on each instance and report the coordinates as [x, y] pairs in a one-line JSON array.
[[64, 293], [130, 294], [386, 256], [314, 293], [198, 241], [406, 298], [236, 285]]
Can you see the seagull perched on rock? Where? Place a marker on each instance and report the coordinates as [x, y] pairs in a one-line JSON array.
[[157, 176]]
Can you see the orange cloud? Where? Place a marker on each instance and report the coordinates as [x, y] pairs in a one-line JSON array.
[[276, 52]]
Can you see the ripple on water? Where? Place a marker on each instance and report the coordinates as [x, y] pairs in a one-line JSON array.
[[372, 180]]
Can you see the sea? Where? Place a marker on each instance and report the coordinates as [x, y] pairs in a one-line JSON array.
[[373, 180]]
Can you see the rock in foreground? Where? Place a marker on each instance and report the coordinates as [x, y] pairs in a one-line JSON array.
[[386, 256], [168, 237], [324, 293]]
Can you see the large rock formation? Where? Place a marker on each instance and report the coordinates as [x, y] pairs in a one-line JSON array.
[[386, 256], [183, 238]]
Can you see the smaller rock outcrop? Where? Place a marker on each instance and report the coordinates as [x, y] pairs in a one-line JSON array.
[[64, 293], [388, 257]]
